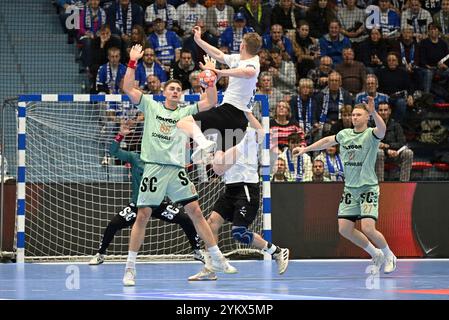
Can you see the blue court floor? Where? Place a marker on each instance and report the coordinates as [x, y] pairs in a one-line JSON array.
[[256, 280]]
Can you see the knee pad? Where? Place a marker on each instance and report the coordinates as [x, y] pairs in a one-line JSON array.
[[242, 234]]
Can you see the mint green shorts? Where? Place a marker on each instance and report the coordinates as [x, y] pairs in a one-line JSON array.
[[159, 181], [359, 203]]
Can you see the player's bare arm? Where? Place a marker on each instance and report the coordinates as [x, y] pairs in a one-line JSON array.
[[321, 144], [210, 50], [129, 88], [380, 128]]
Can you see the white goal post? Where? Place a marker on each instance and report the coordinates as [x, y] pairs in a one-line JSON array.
[[68, 188]]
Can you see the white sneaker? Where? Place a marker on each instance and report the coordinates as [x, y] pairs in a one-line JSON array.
[[282, 260], [390, 263], [198, 255], [222, 265], [129, 279], [378, 260], [97, 259], [201, 152], [204, 275]]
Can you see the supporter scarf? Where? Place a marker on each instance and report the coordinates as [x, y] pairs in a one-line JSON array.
[[443, 23], [307, 124], [168, 17], [299, 165], [111, 78], [323, 116], [89, 19], [125, 29], [412, 53], [339, 174]]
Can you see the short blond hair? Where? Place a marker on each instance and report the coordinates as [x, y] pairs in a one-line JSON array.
[[253, 42]]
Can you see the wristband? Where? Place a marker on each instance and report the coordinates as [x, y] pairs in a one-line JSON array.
[[119, 137], [132, 64]]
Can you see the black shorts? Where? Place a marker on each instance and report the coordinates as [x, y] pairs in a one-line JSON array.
[[227, 121], [234, 205]]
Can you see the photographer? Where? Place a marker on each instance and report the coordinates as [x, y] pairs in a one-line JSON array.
[[395, 81]]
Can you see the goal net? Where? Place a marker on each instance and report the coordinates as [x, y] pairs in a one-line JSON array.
[[74, 186]]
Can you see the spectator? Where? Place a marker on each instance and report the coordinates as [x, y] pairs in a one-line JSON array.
[[265, 60], [433, 6], [218, 18], [352, 21], [298, 168], [344, 121], [441, 19], [372, 52], [333, 166], [138, 36], [166, 12], [92, 18], [409, 51], [333, 43], [286, 15], [197, 52], [280, 175], [283, 72], [110, 74], [122, 16], [257, 16], [165, 43], [304, 107], [100, 47], [371, 90], [153, 85], [181, 69], [433, 50], [148, 66], [330, 101], [320, 75], [282, 126], [276, 39], [395, 82], [417, 18], [306, 50], [188, 14], [353, 73], [319, 16], [195, 87], [232, 36], [390, 21], [390, 148], [318, 172], [265, 86]]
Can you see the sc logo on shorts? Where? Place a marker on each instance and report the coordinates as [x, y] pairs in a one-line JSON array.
[[148, 184]]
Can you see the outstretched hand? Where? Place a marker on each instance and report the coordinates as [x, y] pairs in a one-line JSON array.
[[370, 106], [299, 151], [209, 64], [125, 127], [136, 52], [196, 33]]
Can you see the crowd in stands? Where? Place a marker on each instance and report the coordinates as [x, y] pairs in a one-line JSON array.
[[319, 58]]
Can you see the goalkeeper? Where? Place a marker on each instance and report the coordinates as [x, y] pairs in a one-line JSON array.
[[167, 211]]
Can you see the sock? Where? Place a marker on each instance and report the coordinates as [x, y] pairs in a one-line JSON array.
[[370, 249], [215, 252], [131, 261], [386, 251], [198, 136], [271, 248]]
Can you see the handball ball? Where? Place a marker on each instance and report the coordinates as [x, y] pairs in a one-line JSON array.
[[207, 78]]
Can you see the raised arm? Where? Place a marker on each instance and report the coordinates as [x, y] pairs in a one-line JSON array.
[[129, 88], [114, 148], [381, 128], [210, 50], [321, 144], [209, 98]]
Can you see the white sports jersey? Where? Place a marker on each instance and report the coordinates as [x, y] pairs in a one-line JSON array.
[[240, 92], [246, 169]]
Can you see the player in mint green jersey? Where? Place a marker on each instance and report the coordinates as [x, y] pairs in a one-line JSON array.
[[360, 199], [163, 152]]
